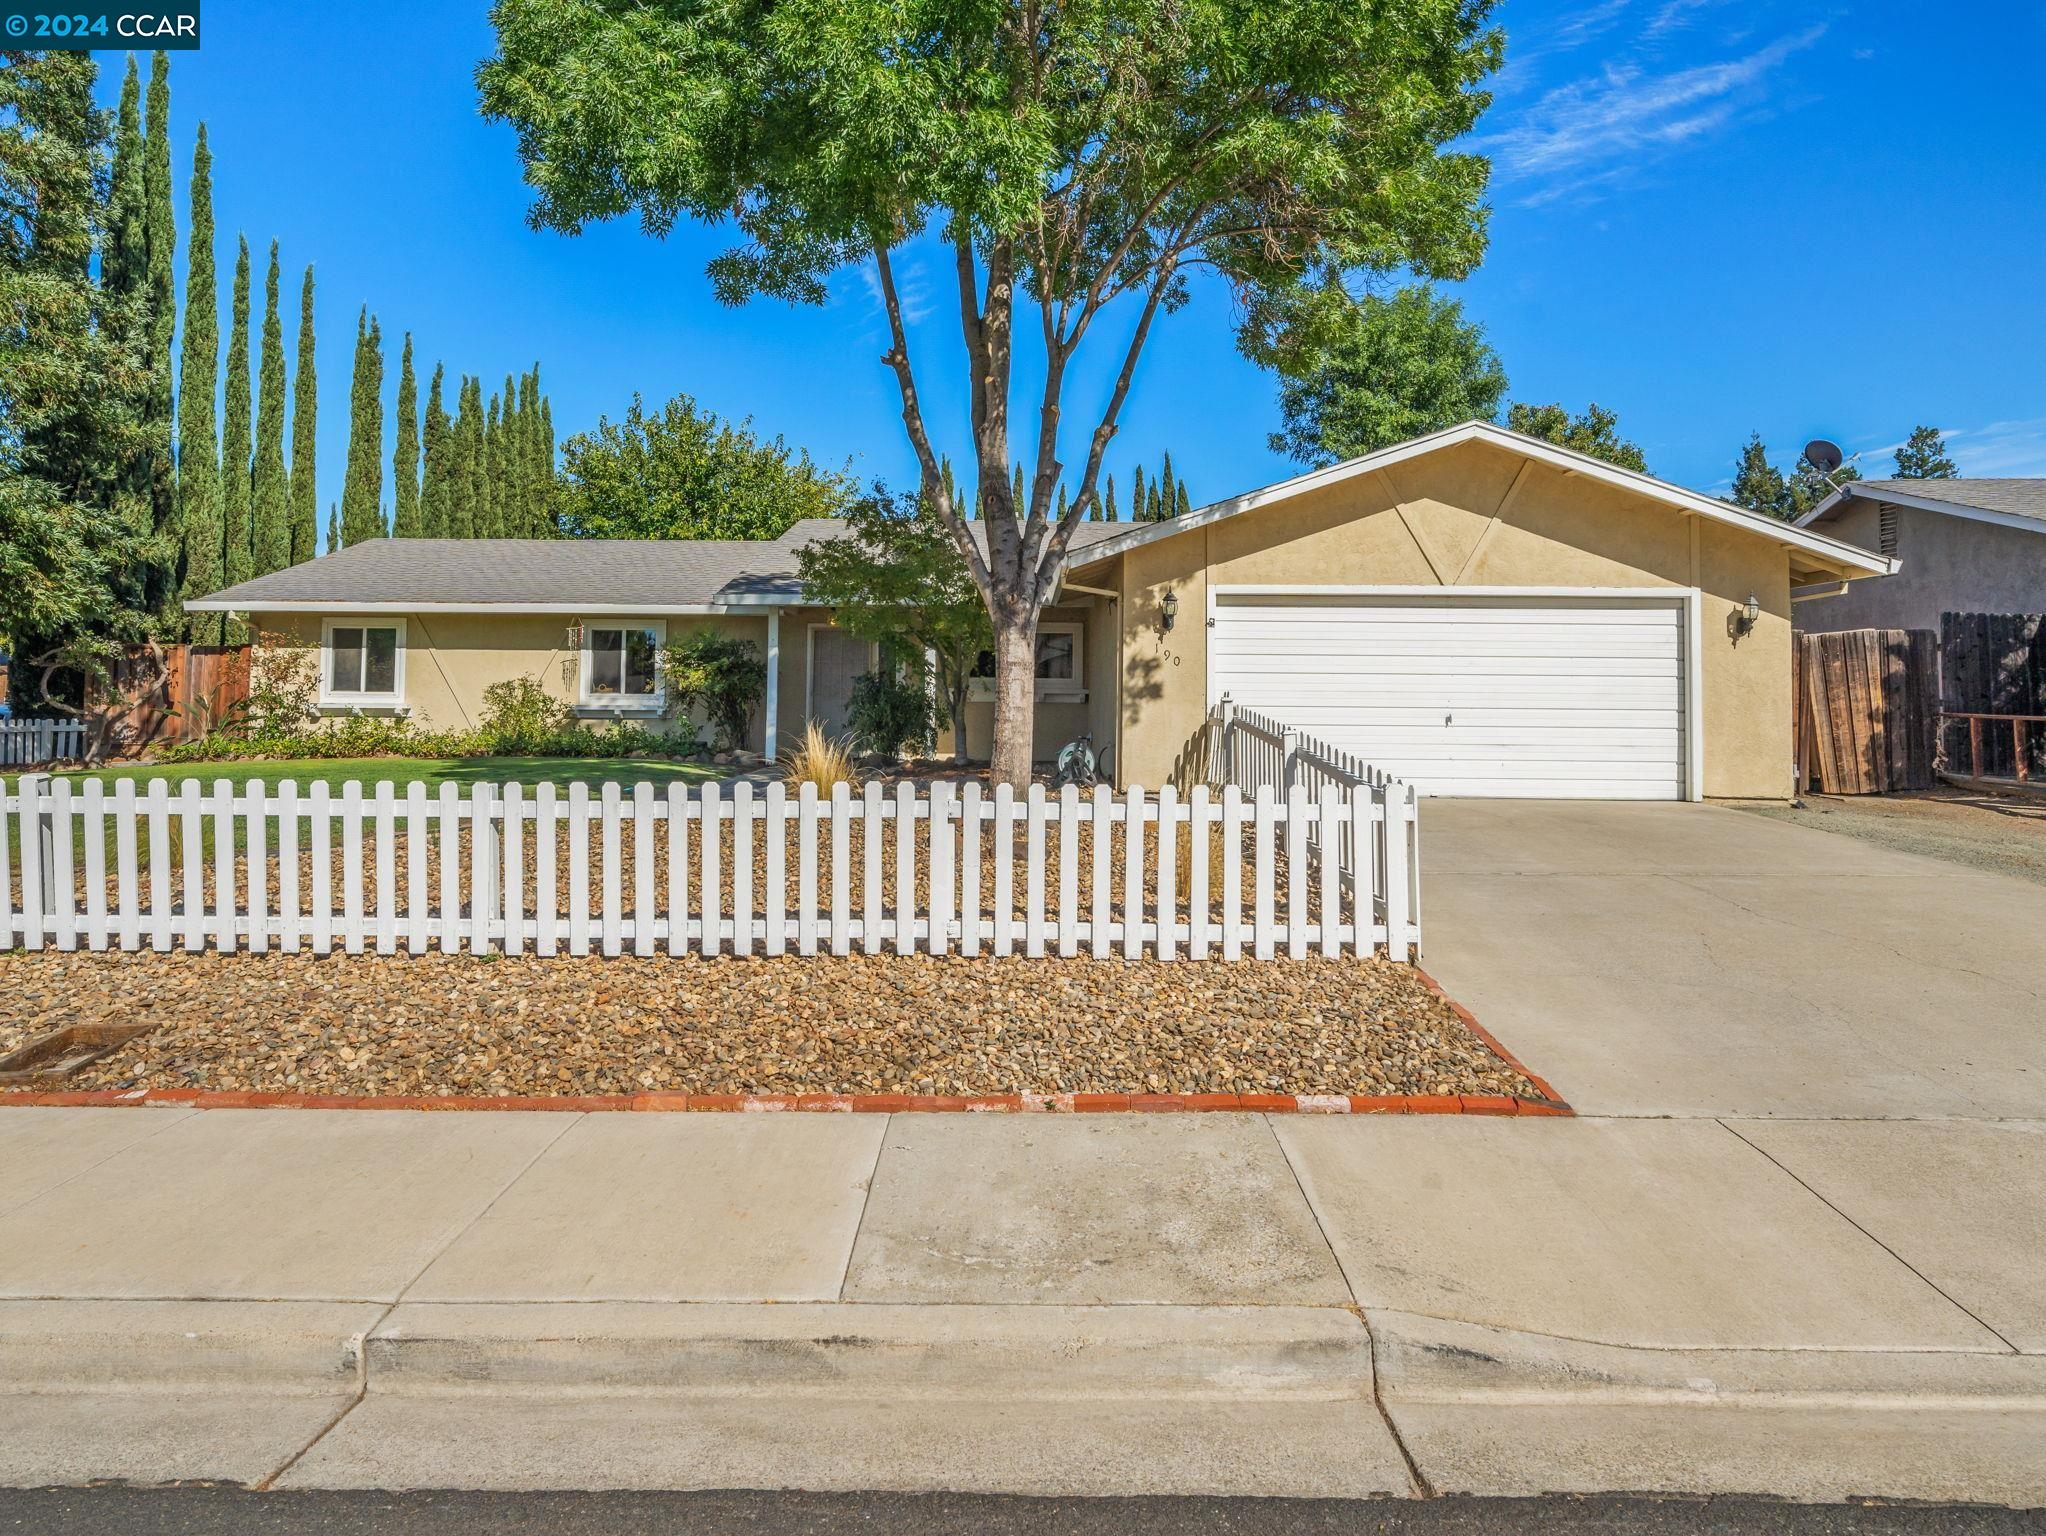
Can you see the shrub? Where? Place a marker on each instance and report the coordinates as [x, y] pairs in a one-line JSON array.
[[820, 761], [885, 710], [519, 716], [721, 674]]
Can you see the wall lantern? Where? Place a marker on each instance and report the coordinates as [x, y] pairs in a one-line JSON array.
[[1742, 619], [1168, 610]]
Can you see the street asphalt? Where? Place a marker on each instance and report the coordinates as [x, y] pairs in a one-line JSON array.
[[116, 1511]]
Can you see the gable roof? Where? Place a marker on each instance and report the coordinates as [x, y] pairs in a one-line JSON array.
[[1829, 555], [2014, 503], [636, 576]]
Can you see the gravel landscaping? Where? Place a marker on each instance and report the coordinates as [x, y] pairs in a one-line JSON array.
[[484, 1025]]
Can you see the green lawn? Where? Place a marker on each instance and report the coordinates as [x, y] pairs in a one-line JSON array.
[[430, 771]]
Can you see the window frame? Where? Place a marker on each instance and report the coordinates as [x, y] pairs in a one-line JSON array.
[[654, 703], [1049, 690], [329, 698]]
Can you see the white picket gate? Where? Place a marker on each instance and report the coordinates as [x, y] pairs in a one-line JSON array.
[[24, 743], [85, 866]]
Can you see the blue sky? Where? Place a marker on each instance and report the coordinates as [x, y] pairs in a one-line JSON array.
[[1713, 216]]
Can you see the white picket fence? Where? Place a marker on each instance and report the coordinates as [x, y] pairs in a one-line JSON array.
[[24, 743], [84, 866], [1254, 752]]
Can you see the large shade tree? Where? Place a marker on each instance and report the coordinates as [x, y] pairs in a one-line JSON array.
[[1074, 161]]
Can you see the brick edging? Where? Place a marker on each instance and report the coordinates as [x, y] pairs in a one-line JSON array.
[[855, 1103]]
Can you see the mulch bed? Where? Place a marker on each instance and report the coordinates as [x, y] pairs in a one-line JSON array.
[[459, 1025]]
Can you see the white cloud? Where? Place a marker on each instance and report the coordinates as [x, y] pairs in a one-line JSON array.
[[1578, 139], [912, 290], [2016, 447]]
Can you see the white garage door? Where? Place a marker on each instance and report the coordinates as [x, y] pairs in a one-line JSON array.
[[1493, 695]]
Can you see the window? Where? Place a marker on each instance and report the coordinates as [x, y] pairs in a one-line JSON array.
[[363, 664], [621, 666], [1060, 665]]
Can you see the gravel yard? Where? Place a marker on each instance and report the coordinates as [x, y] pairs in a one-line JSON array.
[[459, 1024]]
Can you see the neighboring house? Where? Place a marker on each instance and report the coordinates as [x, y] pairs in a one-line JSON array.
[[1476, 611], [1967, 546]]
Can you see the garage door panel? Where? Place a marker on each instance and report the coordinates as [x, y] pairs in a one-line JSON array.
[[1470, 696]]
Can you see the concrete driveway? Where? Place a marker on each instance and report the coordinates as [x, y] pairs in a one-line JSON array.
[[1698, 960]]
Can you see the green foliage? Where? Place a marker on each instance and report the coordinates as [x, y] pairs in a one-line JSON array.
[[406, 520], [236, 443], [887, 710], [1594, 432], [437, 484], [684, 473], [1358, 376], [1807, 487], [305, 410], [199, 512], [520, 718], [896, 577], [270, 488], [723, 676], [159, 231], [1760, 486], [1924, 456], [70, 388], [362, 490]]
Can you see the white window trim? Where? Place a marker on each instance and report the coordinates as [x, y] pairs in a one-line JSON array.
[[621, 704], [329, 699], [1050, 690]]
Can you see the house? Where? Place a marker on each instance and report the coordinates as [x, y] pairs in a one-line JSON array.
[[1967, 546], [1476, 611]]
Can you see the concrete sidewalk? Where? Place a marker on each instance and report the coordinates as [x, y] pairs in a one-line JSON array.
[[1217, 1304]]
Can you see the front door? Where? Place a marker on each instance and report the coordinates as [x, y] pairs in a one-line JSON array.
[[836, 658]]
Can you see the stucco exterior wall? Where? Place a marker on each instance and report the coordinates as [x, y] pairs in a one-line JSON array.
[[1950, 565], [450, 658], [1474, 515]]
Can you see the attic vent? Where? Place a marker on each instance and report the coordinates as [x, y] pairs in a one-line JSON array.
[[1886, 530]]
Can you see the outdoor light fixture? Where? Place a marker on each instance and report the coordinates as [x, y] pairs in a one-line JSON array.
[[1742, 620], [1168, 610]]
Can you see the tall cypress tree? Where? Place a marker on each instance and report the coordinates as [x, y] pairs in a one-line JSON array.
[[1137, 495], [362, 493], [461, 513], [333, 528], [521, 451], [1108, 511], [124, 286], [493, 470], [546, 529], [124, 265], [1168, 489], [237, 562], [305, 413], [511, 490], [159, 232], [269, 491], [436, 484], [198, 370], [405, 521]]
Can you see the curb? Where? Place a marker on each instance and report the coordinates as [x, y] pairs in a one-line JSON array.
[[1549, 1105]]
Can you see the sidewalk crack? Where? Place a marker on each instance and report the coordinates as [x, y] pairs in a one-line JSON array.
[[1927, 1280], [866, 1200]]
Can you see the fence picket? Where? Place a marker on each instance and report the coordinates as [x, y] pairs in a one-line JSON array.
[[939, 903], [125, 819], [1296, 873], [546, 868], [1263, 944], [62, 880], [192, 871], [579, 868], [1398, 801], [774, 912], [710, 897], [320, 837], [1033, 863], [1069, 870], [611, 840], [8, 935], [1133, 873], [1197, 919], [387, 867], [351, 867], [905, 869], [678, 869], [92, 835], [841, 876], [483, 876], [290, 921], [449, 853], [1168, 871], [1101, 908], [1330, 833], [1232, 872], [1003, 831], [872, 827], [513, 847], [969, 868], [642, 866], [806, 869], [256, 823], [742, 868]]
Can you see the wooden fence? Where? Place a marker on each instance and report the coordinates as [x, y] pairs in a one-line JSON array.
[[506, 868], [1993, 673], [27, 742], [1865, 710]]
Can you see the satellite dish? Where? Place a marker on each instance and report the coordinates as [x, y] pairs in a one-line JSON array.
[[1823, 456]]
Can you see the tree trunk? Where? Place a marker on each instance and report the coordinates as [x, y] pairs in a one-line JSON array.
[[955, 698], [1015, 699]]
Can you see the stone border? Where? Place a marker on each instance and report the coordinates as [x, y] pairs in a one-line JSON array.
[[862, 1103]]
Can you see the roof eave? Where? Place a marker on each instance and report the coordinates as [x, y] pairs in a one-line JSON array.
[[743, 604]]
